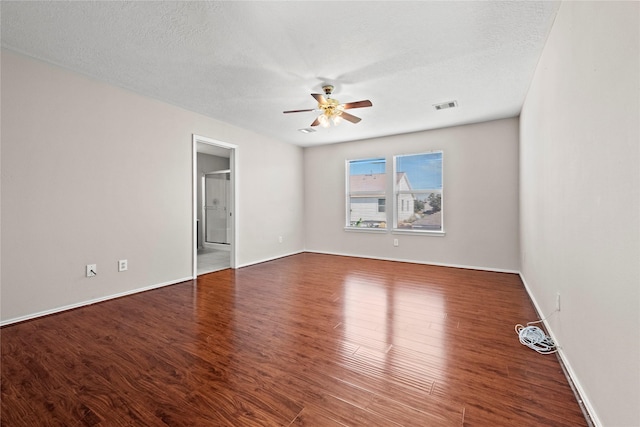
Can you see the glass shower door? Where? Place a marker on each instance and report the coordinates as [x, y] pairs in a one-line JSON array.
[[216, 207]]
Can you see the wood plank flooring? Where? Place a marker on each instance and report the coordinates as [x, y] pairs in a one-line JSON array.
[[307, 340]]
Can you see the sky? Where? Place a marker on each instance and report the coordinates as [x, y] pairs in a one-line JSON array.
[[368, 166], [423, 170]]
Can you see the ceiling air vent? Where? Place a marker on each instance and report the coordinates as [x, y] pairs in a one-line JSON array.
[[446, 105]]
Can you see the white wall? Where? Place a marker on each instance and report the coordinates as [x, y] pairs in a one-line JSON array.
[[92, 174], [480, 202], [579, 200]]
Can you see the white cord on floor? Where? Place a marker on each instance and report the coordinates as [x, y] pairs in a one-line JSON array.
[[535, 338]]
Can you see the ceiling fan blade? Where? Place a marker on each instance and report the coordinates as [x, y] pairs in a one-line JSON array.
[[358, 104], [298, 111], [319, 98], [316, 122], [350, 117]]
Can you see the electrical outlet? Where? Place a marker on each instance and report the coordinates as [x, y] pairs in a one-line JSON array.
[[395, 242], [123, 265], [279, 239], [558, 301], [92, 270]]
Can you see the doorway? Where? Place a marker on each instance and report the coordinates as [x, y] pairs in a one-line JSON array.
[[214, 205]]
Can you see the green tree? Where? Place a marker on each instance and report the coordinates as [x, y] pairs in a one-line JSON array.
[[418, 206], [435, 201]]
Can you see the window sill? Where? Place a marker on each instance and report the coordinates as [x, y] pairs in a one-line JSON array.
[[419, 232], [367, 230]]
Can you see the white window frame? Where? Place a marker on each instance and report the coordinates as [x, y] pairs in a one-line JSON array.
[[396, 192]]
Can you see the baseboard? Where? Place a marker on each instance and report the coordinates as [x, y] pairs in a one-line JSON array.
[[247, 264], [581, 396], [412, 261], [219, 246], [89, 302], [121, 294]]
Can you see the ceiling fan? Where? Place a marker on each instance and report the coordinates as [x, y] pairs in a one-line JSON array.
[[332, 110]]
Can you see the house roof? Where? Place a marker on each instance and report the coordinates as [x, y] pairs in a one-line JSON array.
[[376, 182]]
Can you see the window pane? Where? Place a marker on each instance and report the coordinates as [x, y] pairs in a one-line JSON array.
[[425, 214], [424, 171], [368, 166], [366, 198], [418, 192]]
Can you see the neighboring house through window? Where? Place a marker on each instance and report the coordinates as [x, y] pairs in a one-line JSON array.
[[366, 193], [406, 198], [418, 192]]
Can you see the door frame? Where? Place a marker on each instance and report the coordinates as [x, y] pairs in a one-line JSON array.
[[233, 178]]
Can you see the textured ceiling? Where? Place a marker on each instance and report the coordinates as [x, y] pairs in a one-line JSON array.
[[244, 63]]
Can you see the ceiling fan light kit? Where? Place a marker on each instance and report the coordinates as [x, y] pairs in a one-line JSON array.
[[332, 111]]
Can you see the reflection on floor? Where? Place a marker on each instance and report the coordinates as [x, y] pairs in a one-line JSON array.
[[213, 260]]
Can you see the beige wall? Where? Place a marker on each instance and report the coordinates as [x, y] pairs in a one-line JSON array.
[[480, 202], [579, 200], [93, 174]]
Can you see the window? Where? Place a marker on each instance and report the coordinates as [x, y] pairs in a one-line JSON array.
[[366, 193], [417, 190]]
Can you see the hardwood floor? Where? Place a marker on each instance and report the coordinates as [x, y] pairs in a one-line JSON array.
[[307, 340]]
